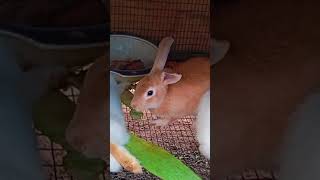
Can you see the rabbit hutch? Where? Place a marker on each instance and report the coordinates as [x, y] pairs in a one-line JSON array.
[[187, 21]]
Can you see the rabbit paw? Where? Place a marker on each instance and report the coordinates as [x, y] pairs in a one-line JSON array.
[[132, 166]]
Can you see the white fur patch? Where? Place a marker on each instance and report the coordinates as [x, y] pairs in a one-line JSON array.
[[118, 130], [114, 165], [203, 125]]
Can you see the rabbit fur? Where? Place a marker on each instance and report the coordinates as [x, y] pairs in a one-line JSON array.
[[203, 125], [176, 91]]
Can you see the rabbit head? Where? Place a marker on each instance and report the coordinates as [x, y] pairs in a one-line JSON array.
[[152, 89]]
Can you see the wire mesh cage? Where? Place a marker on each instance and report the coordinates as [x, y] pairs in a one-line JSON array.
[[52, 154], [186, 20], [178, 139]]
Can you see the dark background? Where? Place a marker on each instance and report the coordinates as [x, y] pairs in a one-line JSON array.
[[272, 64], [47, 13]]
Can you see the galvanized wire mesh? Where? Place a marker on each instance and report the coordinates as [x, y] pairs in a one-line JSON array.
[[178, 139], [186, 20], [52, 153]]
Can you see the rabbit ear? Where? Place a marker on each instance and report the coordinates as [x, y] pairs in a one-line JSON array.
[[162, 54], [170, 78]]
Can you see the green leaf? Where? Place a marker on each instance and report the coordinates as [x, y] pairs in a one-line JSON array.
[[136, 114], [159, 161], [51, 115], [126, 98]]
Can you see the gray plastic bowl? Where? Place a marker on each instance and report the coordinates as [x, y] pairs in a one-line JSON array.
[[59, 46], [124, 47]]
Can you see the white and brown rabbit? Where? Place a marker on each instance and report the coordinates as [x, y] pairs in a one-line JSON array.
[[119, 135], [172, 93], [87, 131]]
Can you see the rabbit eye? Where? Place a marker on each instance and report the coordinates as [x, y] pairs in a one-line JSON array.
[[150, 93]]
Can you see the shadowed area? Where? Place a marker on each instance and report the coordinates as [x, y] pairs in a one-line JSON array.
[[273, 62]]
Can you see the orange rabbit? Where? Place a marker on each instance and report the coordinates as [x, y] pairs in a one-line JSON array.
[[175, 92]]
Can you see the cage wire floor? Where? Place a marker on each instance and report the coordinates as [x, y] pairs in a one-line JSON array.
[[178, 139]]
